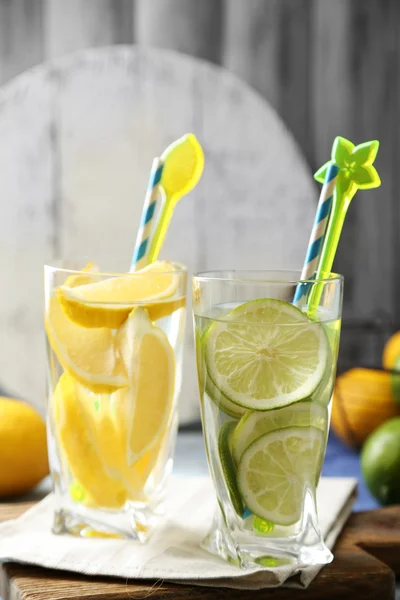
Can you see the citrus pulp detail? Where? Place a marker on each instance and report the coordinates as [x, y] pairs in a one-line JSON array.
[[89, 355], [108, 302], [275, 471], [255, 424], [150, 363], [266, 354]]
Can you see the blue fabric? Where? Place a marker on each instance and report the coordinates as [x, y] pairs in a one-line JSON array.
[[341, 461]]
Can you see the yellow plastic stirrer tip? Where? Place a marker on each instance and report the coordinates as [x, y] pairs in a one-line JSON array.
[[183, 166]]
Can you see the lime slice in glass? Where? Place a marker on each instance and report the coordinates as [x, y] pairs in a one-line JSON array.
[[228, 466], [223, 403], [255, 424], [266, 354], [275, 471]]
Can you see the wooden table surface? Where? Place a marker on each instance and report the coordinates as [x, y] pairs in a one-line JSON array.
[[367, 558]]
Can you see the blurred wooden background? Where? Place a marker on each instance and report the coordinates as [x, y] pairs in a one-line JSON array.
[[329, 67]]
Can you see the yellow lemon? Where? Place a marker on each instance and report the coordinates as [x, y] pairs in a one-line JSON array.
[[149, 361], [362, 400], [89, 354], [86, 276], [391, 352], [23, 448], [107, 303], [78, 445], [108, 418]]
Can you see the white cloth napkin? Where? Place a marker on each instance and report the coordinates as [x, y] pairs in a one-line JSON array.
[[173, 553]]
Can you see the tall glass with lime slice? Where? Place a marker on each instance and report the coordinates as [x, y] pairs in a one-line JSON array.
[[114, 372], [266, 371]]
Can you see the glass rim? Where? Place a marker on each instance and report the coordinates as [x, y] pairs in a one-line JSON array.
[[56, 266], [243, 276]]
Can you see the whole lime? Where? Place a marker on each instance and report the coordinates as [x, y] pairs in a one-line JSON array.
[[380, 462]]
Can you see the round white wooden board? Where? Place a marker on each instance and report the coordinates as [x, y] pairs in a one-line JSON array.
[[77, 138]]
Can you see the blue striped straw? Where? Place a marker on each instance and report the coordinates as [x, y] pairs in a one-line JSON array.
[[318, 232], [147, 221]]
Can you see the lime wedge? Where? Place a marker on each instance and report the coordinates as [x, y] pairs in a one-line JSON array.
[[275, 471], [228, 466], [255, 424], [266, 354]]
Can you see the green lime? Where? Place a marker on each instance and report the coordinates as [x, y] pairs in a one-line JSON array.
[[255, 424], [228, 466], [395, 381], [380, 462], [205, 381], [223, 403], [275, 471], [323, 393], [266, 354]]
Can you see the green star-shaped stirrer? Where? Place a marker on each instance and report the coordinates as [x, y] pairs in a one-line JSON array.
[[356, 171]]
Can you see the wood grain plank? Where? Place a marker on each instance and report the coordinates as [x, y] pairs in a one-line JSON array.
[[21, 36], [331, 81], [190, 27], [355, 53], [251, 44], [27, 236], [294, 59], [374, 59], [247, 198], [332, 109], [376, 581], [395, 89], [268, 43], [354, 573], [74, 25], [332, 104]]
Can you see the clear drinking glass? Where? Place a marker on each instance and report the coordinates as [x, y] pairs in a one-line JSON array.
[[114, 375], [266, 372]]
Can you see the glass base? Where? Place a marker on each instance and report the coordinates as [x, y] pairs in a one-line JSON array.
[[133, 523], [246, 549]]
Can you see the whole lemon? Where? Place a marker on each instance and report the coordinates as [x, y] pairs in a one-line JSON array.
[[362, 400], [23, 447], [380, 462], [391, 352], [391, 361]]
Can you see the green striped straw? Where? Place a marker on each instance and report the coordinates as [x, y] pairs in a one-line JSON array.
[[356, 171], [311, 263]]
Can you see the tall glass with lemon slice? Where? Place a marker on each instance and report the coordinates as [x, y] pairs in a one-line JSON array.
[[114, 373], [266, 372]]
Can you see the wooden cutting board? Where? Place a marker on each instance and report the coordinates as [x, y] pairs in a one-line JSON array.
[[367, 559]]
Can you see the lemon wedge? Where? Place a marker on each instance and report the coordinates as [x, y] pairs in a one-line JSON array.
[[81, 454], [107, 303], [88, 354], [107, 418], [150, 364]]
